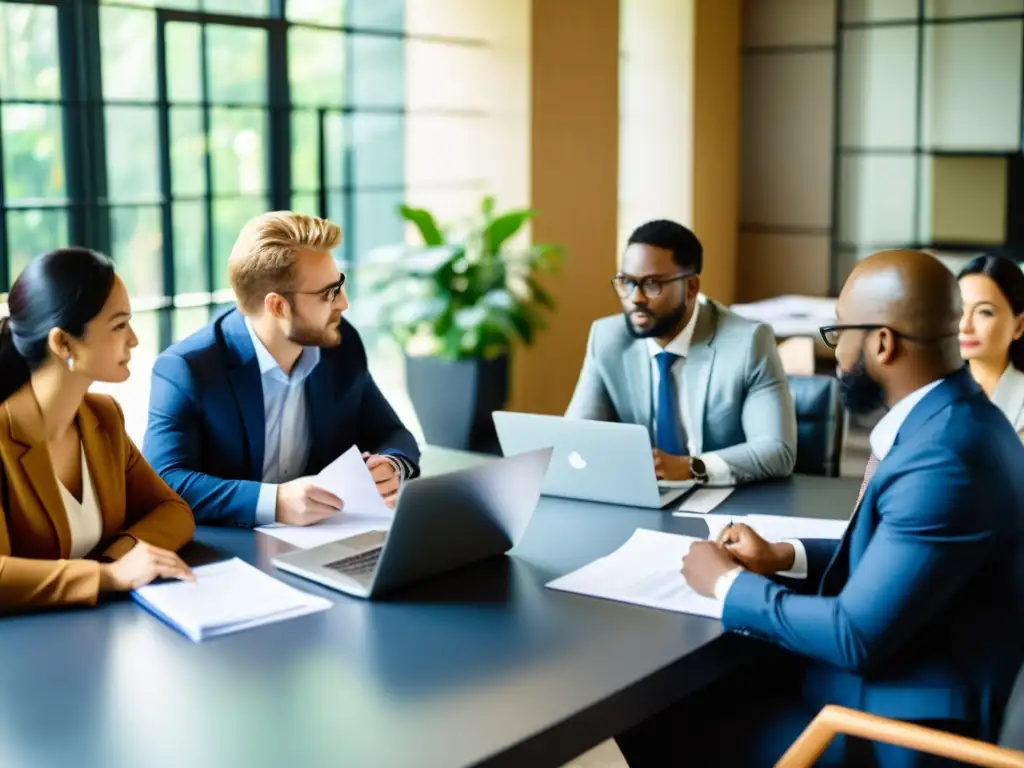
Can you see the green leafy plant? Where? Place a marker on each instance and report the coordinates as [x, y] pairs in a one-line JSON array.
[[465, 294]]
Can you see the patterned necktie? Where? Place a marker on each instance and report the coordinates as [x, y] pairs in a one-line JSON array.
[[869, 472], [669, 436], [837, 570]]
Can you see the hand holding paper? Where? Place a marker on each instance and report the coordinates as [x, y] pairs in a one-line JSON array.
[[304, 502], [350, 477], [347, 477], [385, 476]]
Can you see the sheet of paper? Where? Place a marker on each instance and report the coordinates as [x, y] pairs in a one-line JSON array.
[[773, 527], [341, 526], [347, 478], [778, 527], [226, 597], [706, 499], [643, 571]]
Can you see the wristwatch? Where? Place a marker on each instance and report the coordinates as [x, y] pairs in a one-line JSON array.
[[698, 470]]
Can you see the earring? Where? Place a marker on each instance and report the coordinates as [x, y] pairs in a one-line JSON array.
[[71, 364]]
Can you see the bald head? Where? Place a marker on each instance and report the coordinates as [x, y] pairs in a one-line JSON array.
[[909, 291], [901, 315]]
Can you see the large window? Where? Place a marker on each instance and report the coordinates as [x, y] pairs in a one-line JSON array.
[[152, 129], [34, 173]]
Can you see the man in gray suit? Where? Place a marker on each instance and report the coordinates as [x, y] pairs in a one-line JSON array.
[[707, 384]]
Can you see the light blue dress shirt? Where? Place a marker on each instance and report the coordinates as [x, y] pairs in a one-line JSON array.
[[284, 402]]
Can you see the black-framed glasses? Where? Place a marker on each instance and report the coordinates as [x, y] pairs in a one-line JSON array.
[[830, 334], [626, 286], [329, 294]]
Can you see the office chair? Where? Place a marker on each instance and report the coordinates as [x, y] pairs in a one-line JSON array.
[[833, 720], [819, 423]]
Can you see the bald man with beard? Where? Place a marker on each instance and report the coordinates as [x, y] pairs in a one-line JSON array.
[[918, 612]]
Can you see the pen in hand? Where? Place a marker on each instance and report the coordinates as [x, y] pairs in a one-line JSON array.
[[722, 543]]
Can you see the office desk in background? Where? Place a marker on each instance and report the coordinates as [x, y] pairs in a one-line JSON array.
[[479, 666], [795, 321]]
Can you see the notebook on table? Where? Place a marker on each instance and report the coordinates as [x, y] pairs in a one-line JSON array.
[[226, 597]]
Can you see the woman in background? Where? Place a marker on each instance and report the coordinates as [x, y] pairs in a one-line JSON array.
[[81, 512], [992, 331]]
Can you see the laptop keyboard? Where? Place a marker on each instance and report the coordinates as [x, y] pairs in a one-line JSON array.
[[357, 565]]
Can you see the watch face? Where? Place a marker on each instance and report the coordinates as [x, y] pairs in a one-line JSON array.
[[698, 469]]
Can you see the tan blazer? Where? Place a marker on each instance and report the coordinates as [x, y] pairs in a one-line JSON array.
[[35, 539]]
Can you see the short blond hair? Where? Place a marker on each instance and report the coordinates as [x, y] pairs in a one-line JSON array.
[[267, 248]]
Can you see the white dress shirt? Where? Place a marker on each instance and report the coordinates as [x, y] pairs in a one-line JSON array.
[[285, 451], [718, 471], [1009, 397], [84, 518], [881, 439]]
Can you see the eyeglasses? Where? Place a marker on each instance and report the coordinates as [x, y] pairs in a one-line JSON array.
[[625, 286], [329, 294], [830, 334]]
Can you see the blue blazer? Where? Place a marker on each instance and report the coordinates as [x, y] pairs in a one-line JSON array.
[[918, 612], [206, 428]]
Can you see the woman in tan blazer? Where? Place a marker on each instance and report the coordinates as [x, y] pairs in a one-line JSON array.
[[81, 512]]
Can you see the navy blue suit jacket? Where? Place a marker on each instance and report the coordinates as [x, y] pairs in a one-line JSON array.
[[206, 428], [918, 612]]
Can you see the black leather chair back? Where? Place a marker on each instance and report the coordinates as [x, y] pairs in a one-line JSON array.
[[819, 424]]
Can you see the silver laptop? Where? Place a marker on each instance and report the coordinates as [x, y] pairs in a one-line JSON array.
[[593, 460], [441, 523]]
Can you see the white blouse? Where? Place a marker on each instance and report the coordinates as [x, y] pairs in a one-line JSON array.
[[84, 518], [1009, 396]]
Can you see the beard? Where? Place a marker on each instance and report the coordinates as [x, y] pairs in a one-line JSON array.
[[660, 325], [315, 336], [859, 393]]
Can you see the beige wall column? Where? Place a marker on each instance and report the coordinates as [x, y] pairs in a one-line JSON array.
[[716, 142], [680, 123], [573, 183], [656, 113]]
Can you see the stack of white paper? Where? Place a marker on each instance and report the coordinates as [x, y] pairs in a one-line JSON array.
[[226, 597], [347, 478], [643, 571]]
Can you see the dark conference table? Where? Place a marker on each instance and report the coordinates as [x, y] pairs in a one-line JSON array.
[[482, 666]]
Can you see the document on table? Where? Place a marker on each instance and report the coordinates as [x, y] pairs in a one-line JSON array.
[[706, 498], [778, 527], [643, 571], [347, 478], [774, 527], [226, 597]]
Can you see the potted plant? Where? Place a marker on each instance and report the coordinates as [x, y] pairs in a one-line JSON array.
[[458, 305]]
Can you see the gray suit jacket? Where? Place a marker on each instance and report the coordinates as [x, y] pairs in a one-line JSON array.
[[738, 404]]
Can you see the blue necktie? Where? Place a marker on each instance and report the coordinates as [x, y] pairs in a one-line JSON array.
[[669, 435]]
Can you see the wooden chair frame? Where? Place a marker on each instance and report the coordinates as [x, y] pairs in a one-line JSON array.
[[833, 720]]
